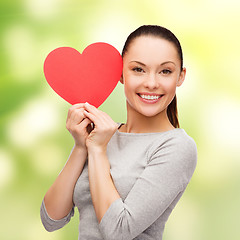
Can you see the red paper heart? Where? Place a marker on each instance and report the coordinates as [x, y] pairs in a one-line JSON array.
[[87, 77]]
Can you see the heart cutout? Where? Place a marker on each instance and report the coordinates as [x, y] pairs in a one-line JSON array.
[[87, 77]]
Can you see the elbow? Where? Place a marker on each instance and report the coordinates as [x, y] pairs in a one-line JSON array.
[[47, 222], [50, 224], [121, 234], [117, 229], [118, 222], [48, 227]]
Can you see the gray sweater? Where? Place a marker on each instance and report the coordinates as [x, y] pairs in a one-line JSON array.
[[150, 172]]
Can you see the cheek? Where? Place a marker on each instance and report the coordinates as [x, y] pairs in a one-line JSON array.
[[131, 83], [170, 86], [128, 89]]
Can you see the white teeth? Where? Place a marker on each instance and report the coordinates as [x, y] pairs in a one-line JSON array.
[[149, 97]]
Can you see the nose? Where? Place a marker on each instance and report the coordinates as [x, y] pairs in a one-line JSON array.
[[152, 81]]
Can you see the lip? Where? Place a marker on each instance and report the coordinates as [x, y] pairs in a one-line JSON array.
[[150, 101], [150, 94]]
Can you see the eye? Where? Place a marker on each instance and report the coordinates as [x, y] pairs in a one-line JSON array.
[[166, 71], [137, 69]]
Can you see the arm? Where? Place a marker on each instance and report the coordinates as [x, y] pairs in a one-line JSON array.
[[58, 201], [160, 186], [103, 190], [57, 206]]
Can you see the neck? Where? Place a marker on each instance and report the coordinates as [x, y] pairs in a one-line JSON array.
[[138, 123]]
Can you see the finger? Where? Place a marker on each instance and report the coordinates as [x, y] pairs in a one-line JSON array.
[[109, 123], [77, 116], [91, 116], [103, 122], [100, 115], [82, 127], [97, 120], [77, 105], [92, 109], [73, 107], [105, 118], [85, 122]]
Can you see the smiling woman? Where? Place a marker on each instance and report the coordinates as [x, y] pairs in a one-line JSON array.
[[125, 179], [155, 63]]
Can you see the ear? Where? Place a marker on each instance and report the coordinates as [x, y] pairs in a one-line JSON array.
[[121, 79], [181, 77]]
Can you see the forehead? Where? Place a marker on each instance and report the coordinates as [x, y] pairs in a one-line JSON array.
[[151, 49]]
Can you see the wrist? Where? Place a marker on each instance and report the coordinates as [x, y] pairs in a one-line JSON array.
[[80, 149], [96, 151], [98, 158]]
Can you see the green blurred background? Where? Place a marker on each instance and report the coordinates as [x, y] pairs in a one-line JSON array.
[[34, 143]]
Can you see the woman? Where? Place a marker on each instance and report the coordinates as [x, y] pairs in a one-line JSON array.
[[126, 179]]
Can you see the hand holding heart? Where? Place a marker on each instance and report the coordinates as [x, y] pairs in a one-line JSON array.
[[95, 138], [104, 128], [90, 76], [78, 125]]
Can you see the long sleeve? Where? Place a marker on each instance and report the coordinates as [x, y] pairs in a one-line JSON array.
[[157, 189], [51, 224]]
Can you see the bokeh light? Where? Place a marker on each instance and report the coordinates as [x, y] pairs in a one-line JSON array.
[[34, 143]]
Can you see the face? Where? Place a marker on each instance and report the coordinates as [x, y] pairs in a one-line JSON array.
[[151, 73]]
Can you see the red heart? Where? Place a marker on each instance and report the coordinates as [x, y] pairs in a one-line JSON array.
[[87, 77]]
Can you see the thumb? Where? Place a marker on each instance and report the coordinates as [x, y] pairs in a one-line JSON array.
[[85, 123]]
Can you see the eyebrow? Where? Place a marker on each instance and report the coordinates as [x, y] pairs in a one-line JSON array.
[[140, 63]]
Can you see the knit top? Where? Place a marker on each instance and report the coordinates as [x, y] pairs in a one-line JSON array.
[[150, 172]]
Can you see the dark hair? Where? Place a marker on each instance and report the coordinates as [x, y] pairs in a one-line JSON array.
[[161, 32]]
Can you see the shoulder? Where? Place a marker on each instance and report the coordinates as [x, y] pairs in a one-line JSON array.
[[181, 143], [176, 140], [176, 148]]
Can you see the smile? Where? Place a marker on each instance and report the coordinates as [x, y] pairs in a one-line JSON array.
[[149, 98]]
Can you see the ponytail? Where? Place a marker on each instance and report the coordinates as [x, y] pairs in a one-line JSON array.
[[172, 113]]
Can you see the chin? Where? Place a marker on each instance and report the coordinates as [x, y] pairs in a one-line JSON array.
[[150, 114]]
